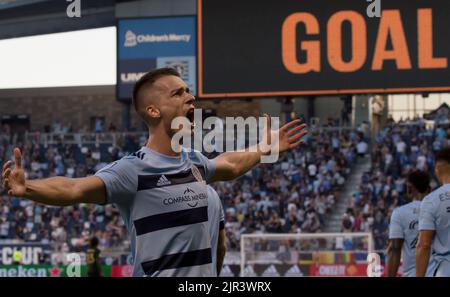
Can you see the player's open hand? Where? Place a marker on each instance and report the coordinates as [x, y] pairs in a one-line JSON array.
[[14, 180], [289, 136]]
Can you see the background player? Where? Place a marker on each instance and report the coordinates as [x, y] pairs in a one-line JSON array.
[[93, 259], [434, 221], [403, 229]]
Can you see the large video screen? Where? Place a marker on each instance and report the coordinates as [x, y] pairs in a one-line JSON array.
[[293, 47]]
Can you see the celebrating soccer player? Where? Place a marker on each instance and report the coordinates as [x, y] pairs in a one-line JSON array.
[[161, 193]]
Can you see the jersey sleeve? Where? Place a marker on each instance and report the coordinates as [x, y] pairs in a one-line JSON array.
[[120, 181], [209, 165], [395, 227], [427, 217]]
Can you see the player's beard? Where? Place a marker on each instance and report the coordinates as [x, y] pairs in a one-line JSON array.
[[186, 130]]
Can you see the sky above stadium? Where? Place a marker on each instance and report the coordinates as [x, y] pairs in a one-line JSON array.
[[77, 58]]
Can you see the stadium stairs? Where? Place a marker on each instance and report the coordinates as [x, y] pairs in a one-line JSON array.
[[334, 219]]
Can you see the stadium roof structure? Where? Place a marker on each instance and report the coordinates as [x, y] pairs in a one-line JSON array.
[[440, 115]]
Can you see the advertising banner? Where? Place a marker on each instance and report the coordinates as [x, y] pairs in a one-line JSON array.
[[145, 44]]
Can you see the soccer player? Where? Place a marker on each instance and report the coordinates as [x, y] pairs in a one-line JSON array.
[[216, 220], [161, 194], [403, 229], [93, 258], [434, 221]]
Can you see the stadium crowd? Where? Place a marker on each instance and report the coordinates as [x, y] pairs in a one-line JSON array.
[[25, 220], [399, 148], [293, 195]]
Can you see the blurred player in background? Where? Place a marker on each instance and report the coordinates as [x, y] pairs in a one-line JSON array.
[[403, 229], [434, 221], [93, 259], [216, 218], [154, 188]]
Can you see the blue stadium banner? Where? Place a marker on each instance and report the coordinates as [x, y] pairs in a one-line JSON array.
[[148, 43]]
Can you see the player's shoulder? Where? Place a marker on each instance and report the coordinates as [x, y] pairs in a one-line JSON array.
[[190, 152], [397, 212], [434, 197], [411, 209], [127, 162], [194, 155], [130, 160], [404, 207], [431, 201], [135, 156]]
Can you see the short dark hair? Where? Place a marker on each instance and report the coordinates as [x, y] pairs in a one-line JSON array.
[[420, 180], [443, 155], [93, 242], [149, 78]]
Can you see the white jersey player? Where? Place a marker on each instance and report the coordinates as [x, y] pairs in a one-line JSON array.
[[434, 221], [403, 229]]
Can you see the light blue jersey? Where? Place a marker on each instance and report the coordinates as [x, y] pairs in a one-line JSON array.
[[216, 223], [404, 225], [435, 215], [163, 202]]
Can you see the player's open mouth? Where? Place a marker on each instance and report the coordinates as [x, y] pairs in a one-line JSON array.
[[190, 116]]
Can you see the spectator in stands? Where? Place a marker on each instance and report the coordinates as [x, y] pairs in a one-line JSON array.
[[362, 148]]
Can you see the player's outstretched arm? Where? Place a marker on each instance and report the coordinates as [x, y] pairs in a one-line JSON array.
[[394, 254], [59, 191], [231, 165], [423, 251]]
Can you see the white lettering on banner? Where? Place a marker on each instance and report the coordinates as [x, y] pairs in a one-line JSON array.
[[131, 76], [21, 271], [334, 270], [12, 273], [164, 38], [7, 256], [30, 255], [158, 38], [131, 39]]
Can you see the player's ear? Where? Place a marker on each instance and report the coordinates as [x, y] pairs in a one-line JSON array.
[[436, 170], [153, 112]]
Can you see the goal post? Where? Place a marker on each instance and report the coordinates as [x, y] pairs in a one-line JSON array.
[[279, 248]]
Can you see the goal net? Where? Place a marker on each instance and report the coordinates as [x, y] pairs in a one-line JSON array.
[[308, 254]]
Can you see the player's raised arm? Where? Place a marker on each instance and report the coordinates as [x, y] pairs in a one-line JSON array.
[[59, 191], [231, 165]]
